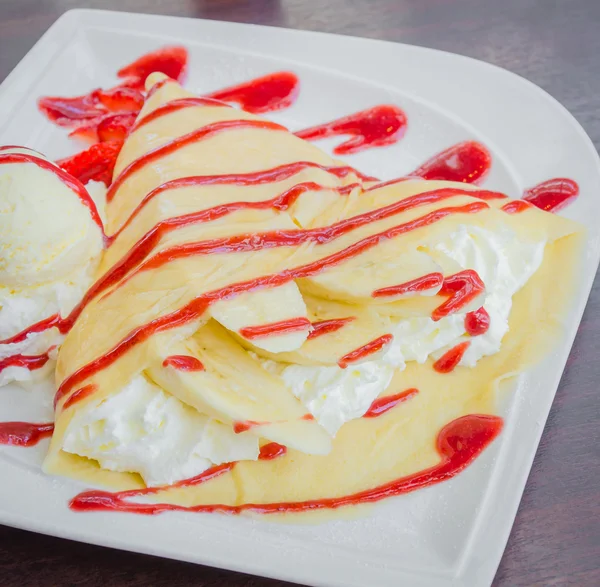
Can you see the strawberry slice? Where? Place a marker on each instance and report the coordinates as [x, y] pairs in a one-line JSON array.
[[109, 127], [121, 99], [115, 127], [70, 112], [171, 61], [96, 163]]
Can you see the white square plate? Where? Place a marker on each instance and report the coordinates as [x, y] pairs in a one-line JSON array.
[[450, 534]]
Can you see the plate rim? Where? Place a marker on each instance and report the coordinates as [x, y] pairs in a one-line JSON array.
[[61, 33]]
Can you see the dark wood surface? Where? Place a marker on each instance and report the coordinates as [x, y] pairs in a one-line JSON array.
[[554, 43]]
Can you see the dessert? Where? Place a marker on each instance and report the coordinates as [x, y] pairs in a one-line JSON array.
[[271, 330]]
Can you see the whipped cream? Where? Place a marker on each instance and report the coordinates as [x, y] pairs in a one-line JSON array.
[[334, 395], [145, 430]]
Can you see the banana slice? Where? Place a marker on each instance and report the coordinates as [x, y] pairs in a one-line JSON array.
[[378, 276], [229, 385], [272, 319]]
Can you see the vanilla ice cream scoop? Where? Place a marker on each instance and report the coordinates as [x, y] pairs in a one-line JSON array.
[[48, 227], [51, 239]]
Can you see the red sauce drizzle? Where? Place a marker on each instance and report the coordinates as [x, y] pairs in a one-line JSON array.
[[462, 287], [174, 106], [424, 283], [477, 322], [264, 94], [183, 363], [40, 326], [552, 195], [376, 127], [271, 451], [516, 206], [450, 359], [383, 404], [171, 60], [79, 395], [239, 427], [467, 162], [192, 137], [24, 433], [459, 443], [31, 362], [199, 305], [72, 183], [275, 328], [365, 350], [327, 326]]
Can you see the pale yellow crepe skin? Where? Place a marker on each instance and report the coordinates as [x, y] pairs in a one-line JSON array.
[[365, 452]]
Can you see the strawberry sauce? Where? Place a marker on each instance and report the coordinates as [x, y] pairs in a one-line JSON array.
[[183, 363], [366, 350], [271, 451], [467, 162], [459, 443], [462, 287], [31, 362], [322, 327], [263, 94], [379, 126], [384, 404], [275, 328], [24, 433], [450, 359], [552, 195], [418, 285], [477, 322]]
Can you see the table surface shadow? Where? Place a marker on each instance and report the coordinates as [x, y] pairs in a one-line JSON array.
[[555, 540]]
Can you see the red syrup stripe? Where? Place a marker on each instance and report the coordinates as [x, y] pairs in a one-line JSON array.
[[322, 327], [31, 362], [384, 404], [366, 350], [199, 305], [271, 451], [174, 106], [450, 359], [40, 326], [183, 363], [424, 283], [462, 287], [68, 180], [182, 141], [24, 434], [516, 206], [459, 443], [275, 328]]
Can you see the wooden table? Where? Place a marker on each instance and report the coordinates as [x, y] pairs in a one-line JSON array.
[[554, 43]]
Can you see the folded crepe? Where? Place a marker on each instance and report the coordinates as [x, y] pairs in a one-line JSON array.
[[234, 243]]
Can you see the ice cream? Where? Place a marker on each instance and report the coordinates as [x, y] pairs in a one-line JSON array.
[[51, 240]]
